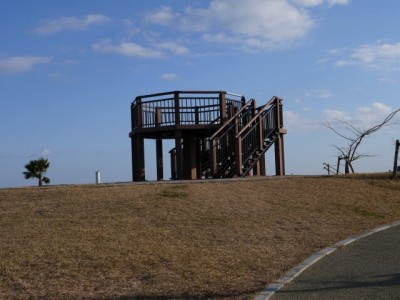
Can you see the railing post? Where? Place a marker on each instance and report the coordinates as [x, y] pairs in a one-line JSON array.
[[222, 107], [157, 117], [261, 133], [139, 114], [133, 115], [177, 109], [279, 146], [196, 115], [238, 156], [159, 151]]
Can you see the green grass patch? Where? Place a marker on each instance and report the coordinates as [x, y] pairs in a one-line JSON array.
[[177, 191], [366, 213]]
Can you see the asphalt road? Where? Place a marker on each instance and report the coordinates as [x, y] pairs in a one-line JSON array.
[[365, 269]]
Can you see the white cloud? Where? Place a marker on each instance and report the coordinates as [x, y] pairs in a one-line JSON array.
[[169, 76], [247, 24], [295, 123], [19, 64], [374, 56], [309, 2], [126, 49], [256, 23], [173, 47], [363, 117], [388, 80], [334, 114], [71, 24], [338, 2], [164, 16]]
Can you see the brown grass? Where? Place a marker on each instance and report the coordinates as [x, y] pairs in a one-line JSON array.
[[207, 240]]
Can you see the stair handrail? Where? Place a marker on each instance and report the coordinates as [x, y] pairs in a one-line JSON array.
[[274, 98], [251, 101]]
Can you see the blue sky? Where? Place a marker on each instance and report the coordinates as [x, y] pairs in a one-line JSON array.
[[69, 71]]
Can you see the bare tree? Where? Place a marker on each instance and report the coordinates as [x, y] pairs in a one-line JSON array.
[[353, 137]]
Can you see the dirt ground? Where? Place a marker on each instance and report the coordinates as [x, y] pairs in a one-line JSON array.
[[219, 240]]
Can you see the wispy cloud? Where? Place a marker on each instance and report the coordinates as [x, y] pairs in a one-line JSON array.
[[257, 23], [320, 94], [19, 64], [383, 55], [169, 76], [362, 117], [311, 3], [127, 49], [294, 122], [163, 16], [173, 47], [251, 24], [71, 23], [338, 2]]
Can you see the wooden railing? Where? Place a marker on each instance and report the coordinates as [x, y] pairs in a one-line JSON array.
[[222, 142], [184, 108], [256, 135], [240, 143]]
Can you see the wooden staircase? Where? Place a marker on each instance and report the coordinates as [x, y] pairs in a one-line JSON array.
[[237, 148]]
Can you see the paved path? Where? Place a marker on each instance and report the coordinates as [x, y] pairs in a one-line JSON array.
[[368, 268]]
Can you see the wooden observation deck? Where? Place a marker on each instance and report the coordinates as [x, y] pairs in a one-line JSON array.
[[217, 134]]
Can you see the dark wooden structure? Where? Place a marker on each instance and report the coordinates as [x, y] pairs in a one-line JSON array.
[[217, 134], [396, 157]]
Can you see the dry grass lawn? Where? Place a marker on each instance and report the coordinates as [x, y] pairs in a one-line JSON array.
[[187, 240]]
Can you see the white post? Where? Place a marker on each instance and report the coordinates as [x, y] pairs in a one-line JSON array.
[[97, 177]]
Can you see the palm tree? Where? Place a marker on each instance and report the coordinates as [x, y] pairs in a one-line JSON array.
[[36, 169]]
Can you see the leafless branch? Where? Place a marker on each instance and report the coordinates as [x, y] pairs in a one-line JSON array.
[[355, 136]]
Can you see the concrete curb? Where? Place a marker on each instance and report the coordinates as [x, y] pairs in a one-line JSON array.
[[296, 271]]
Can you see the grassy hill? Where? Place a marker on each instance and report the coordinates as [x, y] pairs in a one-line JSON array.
[[221, 239]]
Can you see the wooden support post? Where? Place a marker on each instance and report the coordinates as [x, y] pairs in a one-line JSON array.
[[189, 157], [256, 169], [137, 142], [199, 156], [159, 155], [262, 166], [179, 154], [279, 157], [138, 168], [279, 145], [159, 150], [396, 155], [213, 157], [173, 165], [222, 107]]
